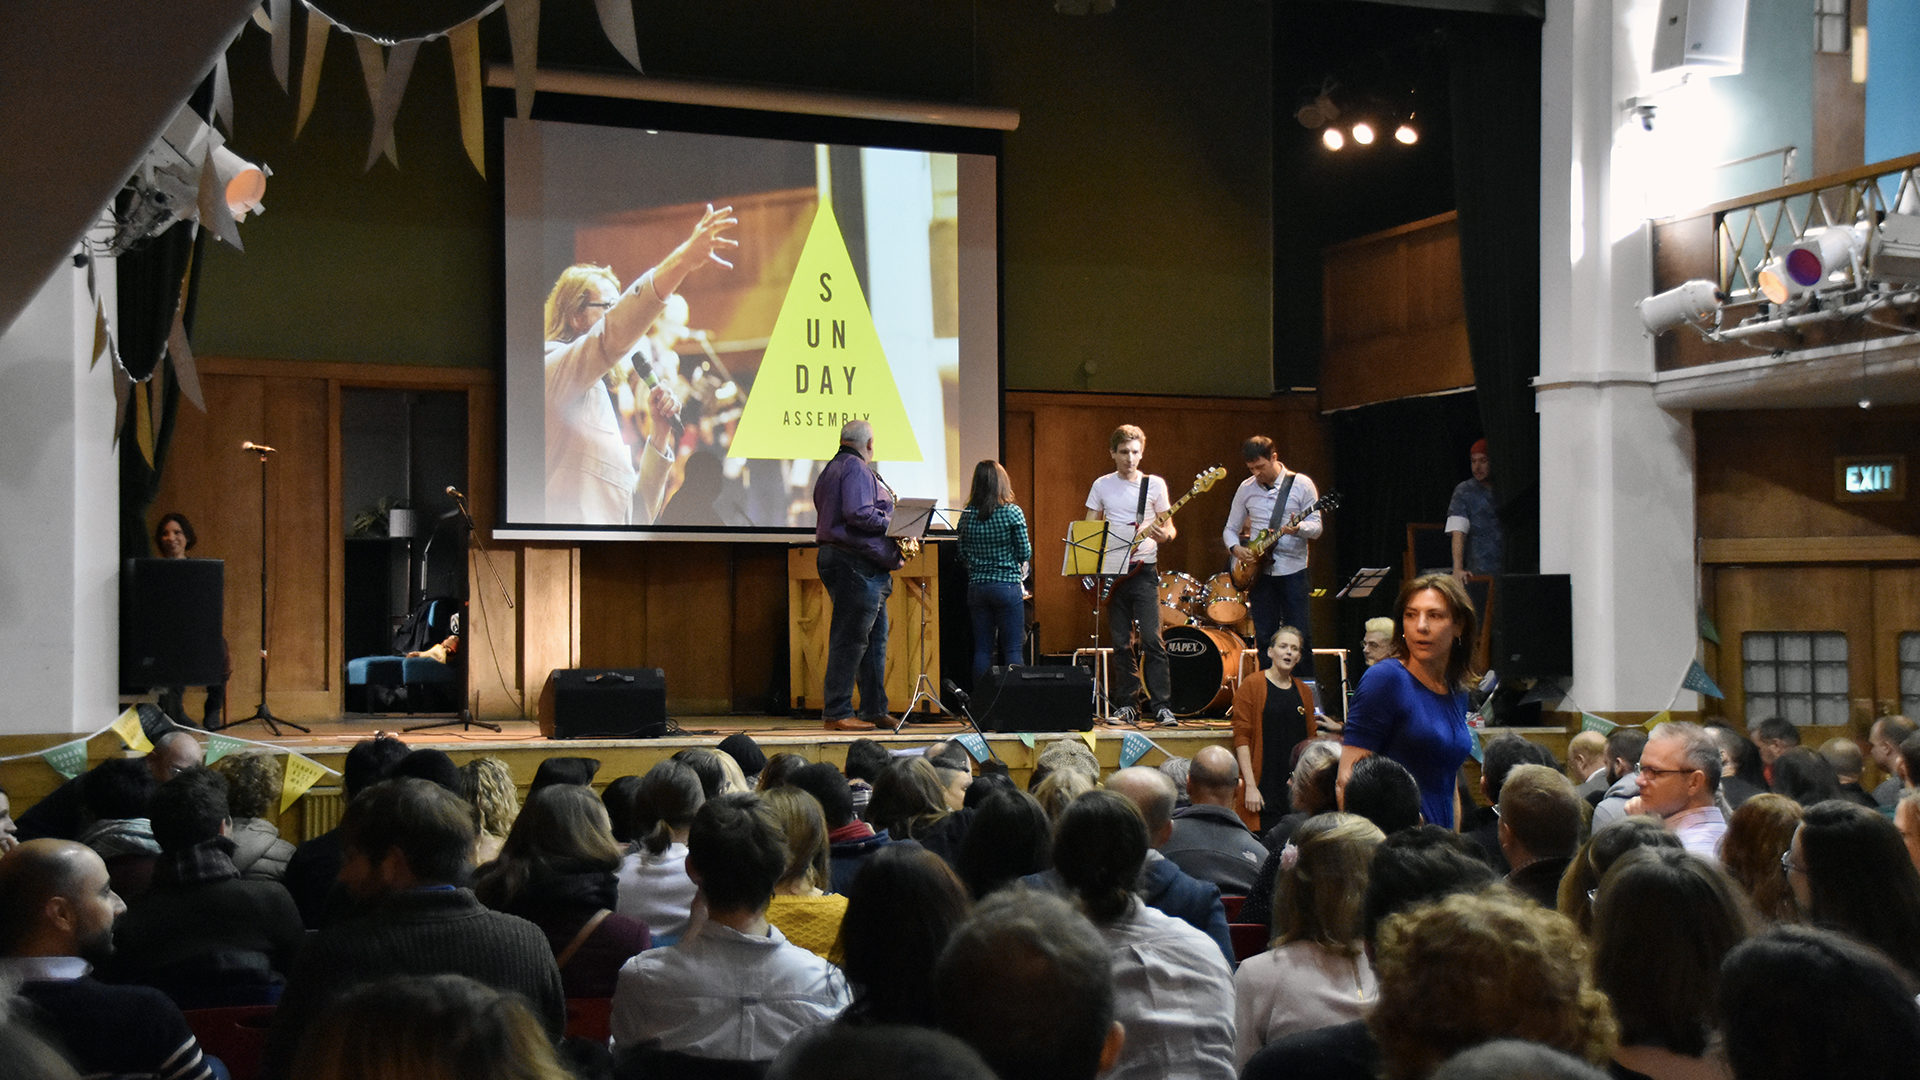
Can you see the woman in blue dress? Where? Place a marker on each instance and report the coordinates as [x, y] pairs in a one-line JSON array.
[[1412, 706]]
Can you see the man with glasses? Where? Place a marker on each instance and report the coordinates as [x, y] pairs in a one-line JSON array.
[[1679, 774]]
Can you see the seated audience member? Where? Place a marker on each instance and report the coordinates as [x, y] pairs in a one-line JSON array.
[[117, 793], [9, 832], [1515, 1059], [1909, 763], [1309, 791], [1796, 1002], [1623, 776], [1384, 793], [201, 934], [1741, 774], [1595, 857], [314, 871], [879, 1052], [487, 785], [653, 884], [1010, 838], [1503, 754], [1679, 776], [1662, 924], [990, 781], [1028, 983], [1883, 742], [1209, 840], [736, 990], [253, 791], [409, 851], [1483, 966], [901, 912], [57, 909], [1173, 990], [1178, 770], [718, 773], [618, 799], [1063, 754], [1059, 789], [752, 760], [1804, 776], [776, 771], [556, 870], [563, 769], [1759, 833], [1906, 818], [911, 804], [866, 760], [62, 814], [1850, 872], [1772, 736], [1410, 868], [1162, 885], [430, 765], [954, 767], [850, 841], [1587, 764], [1848, 764], [428, 1027], [802, 908], [1539, 827], [1314, 975]]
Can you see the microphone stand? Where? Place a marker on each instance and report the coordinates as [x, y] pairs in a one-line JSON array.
[[966, 713], [465, 718], [262, 713]]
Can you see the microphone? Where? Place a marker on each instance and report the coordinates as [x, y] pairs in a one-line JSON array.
[[647, 376], [955, 692], [455, 492], [257, 448]]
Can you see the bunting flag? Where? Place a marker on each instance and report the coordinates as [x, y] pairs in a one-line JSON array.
[[1092, 741], [280, 14], [300, 774], [219, 746], [180, 352], [616, 21], [1590, 722], [1662, 717], [975, 745], [393, 86], [523, 35], [1026, 739], [69, 759], [122, 396], [127, 726], [1478, 751], [222, 106], [465, 43], [1707, 629], [1698, 681], [373, 70], [1134, 747], [318, 27]]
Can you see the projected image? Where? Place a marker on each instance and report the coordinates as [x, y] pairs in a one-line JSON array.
[[711, 309]]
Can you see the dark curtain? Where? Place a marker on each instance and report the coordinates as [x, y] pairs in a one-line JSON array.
[[1495, 65], [149, 283], [1384, 487]]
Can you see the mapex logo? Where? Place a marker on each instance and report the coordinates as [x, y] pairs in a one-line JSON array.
[[1186, 648]]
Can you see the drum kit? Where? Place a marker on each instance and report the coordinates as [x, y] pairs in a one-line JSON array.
[[1202, 626]]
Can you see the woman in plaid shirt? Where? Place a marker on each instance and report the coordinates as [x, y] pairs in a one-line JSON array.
[[994, 543]]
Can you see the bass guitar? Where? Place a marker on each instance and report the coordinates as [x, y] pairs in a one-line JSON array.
[[1246, 571], [1202, 482]]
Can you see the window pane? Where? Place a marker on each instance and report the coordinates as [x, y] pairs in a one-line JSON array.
[[1797, 709], [1910, 648], [1796, 679], [1759, 646], [1759, 679], [1830, 711], [1761, 706], [1830, 679], [1830, 648], [1796, 648]]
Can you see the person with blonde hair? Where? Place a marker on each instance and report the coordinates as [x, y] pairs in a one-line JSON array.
[[431, 1027], [253, 788], [1271, 715], [487, 783], [591, 324], [1759, 832], [1377, 643], [1314, 973], [802, 907], [1476, 967], [1058, 791]]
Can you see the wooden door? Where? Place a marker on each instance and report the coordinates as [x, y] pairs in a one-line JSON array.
[[1896, 616], [1805, 599]]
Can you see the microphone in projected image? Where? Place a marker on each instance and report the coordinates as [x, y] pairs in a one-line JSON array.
[[647, 376]]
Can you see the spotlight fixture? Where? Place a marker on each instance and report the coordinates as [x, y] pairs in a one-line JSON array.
[[1683, 304], [1319, 112], [1333, 138], [1776, 284], [166, 187], [1821, 253], [1406, 134], [1894, 248], [1363, 133]]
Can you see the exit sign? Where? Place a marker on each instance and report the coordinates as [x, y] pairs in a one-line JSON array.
[[1864, 478]]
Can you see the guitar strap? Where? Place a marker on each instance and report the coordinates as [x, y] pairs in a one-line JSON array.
[[1279, 516], [1140, 511]]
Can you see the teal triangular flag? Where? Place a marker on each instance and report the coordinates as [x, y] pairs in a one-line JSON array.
[[1590, 722], [1026, 739], [1707, 629], [219, 746], [1133, 748], [69, 759], [1700, 682], [975, 745]]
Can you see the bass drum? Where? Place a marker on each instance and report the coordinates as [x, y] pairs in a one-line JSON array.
[[1202, 662]]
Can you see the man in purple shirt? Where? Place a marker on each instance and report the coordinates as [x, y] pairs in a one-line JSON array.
[[852, 509]]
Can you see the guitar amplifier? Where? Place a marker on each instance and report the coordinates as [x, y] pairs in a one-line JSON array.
[[1047, 698], [604, 703]]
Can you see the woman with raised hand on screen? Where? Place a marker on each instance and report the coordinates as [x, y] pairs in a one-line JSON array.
[[1412, 706], [591, 325], [996, 547]]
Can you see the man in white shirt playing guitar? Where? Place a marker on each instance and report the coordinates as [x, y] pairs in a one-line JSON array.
[[1134, 603], [1278, 595]]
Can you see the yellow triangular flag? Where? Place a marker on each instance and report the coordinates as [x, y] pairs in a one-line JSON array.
[[1092, 741], [824, 365], [464, 40], [127, 726], [1654, 721], [300, 774]]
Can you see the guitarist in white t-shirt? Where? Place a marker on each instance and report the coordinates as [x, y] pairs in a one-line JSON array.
[[1278, 595], [1133, 606]]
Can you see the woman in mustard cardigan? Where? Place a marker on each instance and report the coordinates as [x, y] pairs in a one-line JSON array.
[[1271, 715]]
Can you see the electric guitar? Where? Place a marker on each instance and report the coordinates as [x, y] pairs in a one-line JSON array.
[[1203, 482], [1246, 571]]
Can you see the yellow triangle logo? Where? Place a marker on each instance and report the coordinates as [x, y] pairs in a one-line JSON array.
[[824, 365]]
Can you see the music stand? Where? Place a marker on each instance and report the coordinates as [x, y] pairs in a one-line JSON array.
[[1367, 579], [1098, 549], [911, 517]]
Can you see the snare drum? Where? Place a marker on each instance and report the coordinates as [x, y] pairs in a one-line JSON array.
[[1203, 662], [1222, 602], [1178, 592]]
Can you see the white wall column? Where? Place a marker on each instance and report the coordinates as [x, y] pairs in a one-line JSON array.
[[59, 484], [1616, 472]]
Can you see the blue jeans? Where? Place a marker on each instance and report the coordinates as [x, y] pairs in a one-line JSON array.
[[1280, 600], [996, 607], [857, 634]]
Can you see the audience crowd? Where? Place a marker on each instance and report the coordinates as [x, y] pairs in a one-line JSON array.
[[1687, 903]]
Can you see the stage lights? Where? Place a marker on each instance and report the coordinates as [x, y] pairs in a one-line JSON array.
[[1363, 133], [1406, 134], [1894, 251], [1333, 138], [1680, 305], [1822, 253], [1366, 133]]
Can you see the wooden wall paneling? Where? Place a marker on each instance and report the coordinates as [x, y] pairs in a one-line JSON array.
[[1811, 598], [549, 615], [336, 555], [759, 628], [494, 681], [613, 606], [689, 623], [1395, 318], [304, 664], [1896, 611], [1769, 472], [811, 612]]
